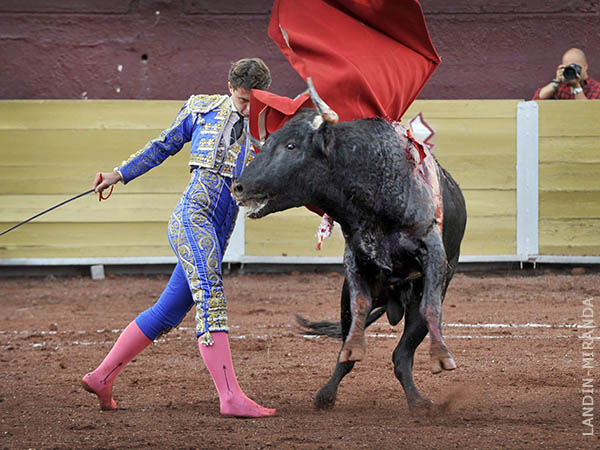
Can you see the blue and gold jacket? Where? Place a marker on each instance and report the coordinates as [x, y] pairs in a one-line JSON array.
[[201, 120]]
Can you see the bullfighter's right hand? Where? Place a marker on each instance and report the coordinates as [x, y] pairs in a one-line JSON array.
[[105, 179]]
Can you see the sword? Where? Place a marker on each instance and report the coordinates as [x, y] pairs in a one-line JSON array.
[[46, 211], [100, 198]]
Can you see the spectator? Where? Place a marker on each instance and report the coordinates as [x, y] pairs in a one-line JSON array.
[[571, 80]]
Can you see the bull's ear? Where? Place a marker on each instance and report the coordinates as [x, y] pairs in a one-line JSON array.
[[324, 138]]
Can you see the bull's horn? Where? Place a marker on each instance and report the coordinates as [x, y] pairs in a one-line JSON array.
[[328, 114], [258, 144]]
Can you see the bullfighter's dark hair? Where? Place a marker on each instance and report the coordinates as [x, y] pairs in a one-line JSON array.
[[249, 73]]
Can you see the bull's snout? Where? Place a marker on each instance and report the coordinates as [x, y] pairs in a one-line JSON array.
[[254, 206], [236, 189]]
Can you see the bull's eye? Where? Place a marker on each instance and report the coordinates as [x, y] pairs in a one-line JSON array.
[[291, 146]]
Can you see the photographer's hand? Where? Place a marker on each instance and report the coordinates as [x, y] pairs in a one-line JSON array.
[[559, 73], [578, 90], [549, 91]]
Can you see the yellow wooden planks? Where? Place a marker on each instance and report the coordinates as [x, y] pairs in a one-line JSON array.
[[566, 118], [571, 176], [462, 109], [566, 149], [71, 147], [87, 114], [570, 205], [84, 240], [569, 155], [490, 236], [44, 161], [51, 151], [490, 173], [118, 208], [578, 236], [290, 233], [484, 203], [69, 181]]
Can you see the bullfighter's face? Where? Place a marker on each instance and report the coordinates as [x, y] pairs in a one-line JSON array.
[[241, 99]]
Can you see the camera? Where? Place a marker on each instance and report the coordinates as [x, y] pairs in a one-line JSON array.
[[571, 72]]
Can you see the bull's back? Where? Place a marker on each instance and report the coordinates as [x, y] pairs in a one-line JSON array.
[[379, 146]]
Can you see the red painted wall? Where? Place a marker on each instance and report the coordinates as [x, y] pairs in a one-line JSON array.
[[152, 49], [507, 48]]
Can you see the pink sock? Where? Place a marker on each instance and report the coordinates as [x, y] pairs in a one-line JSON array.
[[131, 342], [232, 399]]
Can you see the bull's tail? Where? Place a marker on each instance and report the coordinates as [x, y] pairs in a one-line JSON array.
[[332, 329]]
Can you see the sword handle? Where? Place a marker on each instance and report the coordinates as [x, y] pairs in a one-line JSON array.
[[100, 196]]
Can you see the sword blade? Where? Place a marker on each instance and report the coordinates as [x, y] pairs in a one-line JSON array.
[[46, 211]]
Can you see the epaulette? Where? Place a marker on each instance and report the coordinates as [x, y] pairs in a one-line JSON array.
[[204, 103]]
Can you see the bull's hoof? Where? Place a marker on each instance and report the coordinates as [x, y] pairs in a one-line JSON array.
[[419, 403], [441, 359], [325, 398], [351, 353]]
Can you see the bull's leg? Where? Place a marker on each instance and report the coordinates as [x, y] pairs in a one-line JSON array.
[[355, 344], [450, 269], [325, 398], [434, 271], [415, 330]]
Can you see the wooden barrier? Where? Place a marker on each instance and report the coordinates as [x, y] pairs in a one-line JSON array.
[[569, 171], [52, 149]]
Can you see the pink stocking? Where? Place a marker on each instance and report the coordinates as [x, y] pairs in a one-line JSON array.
[[232, 399], [131, 342]]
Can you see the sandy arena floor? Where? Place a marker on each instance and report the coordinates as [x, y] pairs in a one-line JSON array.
[[514, 337]]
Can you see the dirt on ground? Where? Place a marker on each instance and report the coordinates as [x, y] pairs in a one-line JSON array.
[[522, 380]]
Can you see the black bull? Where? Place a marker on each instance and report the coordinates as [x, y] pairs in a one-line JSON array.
[[395, 257]]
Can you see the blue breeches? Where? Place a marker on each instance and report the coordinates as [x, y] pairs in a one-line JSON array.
[[199, 230]]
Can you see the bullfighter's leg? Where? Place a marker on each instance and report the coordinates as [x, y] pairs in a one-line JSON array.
[[355, 344], [198, 231], [166, 313], [325, 398], [434, 268], [415, 330]]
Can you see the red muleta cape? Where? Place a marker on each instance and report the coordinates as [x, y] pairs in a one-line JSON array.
[[367, 58]]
